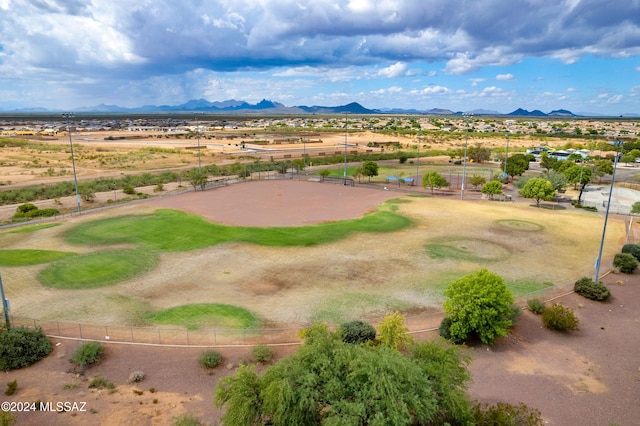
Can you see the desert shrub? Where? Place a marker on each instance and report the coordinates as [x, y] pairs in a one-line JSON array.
[[507, 414], [100, 382], [21, 347], [12, 386], [536, 306], [559, 318], [210, 359], [625, 263], [88, 353], [136, 376], [632, 249], [445, 332], [7, 419], [185, 420], [393, 333], [262, 353], [514, 313], [586, 287], [129, 189], [357, 332]]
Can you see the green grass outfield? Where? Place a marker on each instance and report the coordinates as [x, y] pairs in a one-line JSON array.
[[172, 230]]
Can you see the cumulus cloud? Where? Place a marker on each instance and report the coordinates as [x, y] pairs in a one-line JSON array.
[[504, 77], [67, 40], [396, 70]]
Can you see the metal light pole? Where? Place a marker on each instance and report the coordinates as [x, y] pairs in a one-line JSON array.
[[68, 116], [606, 215], [466, 116], [198, 130], [5, 305], [304, 153], [418, 160], [506, 155], [346, 134]]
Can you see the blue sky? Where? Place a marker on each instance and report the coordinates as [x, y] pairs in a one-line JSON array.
[[463, 55]]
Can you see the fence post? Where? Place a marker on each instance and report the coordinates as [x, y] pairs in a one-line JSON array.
[[80, 328]]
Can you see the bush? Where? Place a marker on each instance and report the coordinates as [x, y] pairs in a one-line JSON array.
[[185, 420], [445, 331], [21, 347], [357, 332], [262, 353], [559, 318], [515, 312], [12, 386], [100, 382], [507, 414], [129, 189], [210, 359], [88, 353], [536, 306], [632, 249], [591, 290], [136, 376], [625, 263]]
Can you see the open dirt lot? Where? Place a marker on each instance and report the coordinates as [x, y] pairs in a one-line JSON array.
[[590, 377]]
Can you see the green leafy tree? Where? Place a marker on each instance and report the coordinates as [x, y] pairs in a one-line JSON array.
[[370, 169], [197, 178], [558, 180], [446, 368], [578, 174], [328, 381], [20, 347], [479, 303], [433, 180], [357, 173], [547, 163], [492, 188], [635, 208], [393, 333], [324, 173], [538, 189], [477, 180], [602, 168], [517, 165], [478, 154], [357, 331]]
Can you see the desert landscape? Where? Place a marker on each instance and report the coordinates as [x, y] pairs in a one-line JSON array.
[[538, 251]]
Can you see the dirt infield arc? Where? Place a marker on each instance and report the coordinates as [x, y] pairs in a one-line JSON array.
[[278, 203]]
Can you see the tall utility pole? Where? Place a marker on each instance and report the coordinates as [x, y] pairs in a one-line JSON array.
[[606, 215], [466, 116], [346, 134], [198, 130], [5, 305], [418, 159], [506, 154], [68, 116]]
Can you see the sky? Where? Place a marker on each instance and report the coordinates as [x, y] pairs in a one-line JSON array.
[[462, 55]]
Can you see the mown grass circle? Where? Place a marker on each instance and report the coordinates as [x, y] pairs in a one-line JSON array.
[[209, 315], [98, 269], [520, 225], [469, 249], [30, 257]]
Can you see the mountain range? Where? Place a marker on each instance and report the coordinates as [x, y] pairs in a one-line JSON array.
[[270, 107]]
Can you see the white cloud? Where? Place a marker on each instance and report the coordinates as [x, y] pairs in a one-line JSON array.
[[504, 77], [398, 69]]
